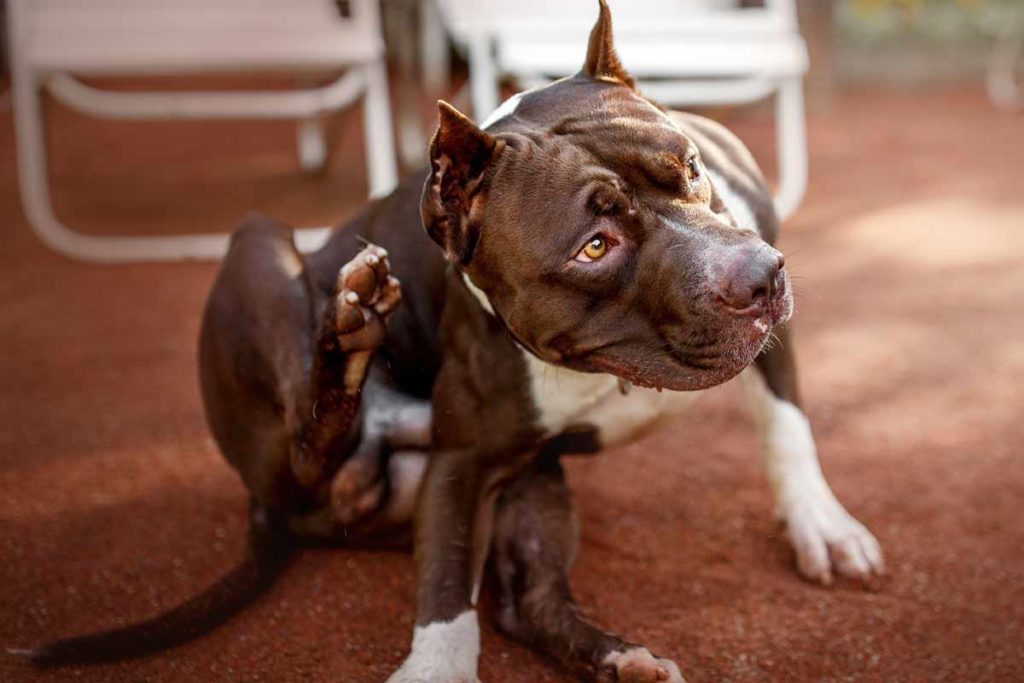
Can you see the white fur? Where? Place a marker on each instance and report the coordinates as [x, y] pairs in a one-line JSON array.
[[565, 397], [824, 535], [405, 474], [737, 205], [506, 109], [443, 652], [289, 263], [478, 294], [638, 662]]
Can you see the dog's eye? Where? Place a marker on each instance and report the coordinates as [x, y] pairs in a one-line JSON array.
[[693, 171], [595, 248]]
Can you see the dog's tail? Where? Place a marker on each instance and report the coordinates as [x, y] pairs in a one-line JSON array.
[[269, 550]]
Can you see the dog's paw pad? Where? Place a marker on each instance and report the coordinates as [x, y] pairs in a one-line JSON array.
[[638, 665], [366, 294], [356, 492], [829, 542]]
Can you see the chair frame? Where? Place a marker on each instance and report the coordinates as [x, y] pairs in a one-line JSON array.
[[1000, 76], [368, 80], [484, 53]]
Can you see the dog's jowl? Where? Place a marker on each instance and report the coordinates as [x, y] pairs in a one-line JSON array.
[[578, 267]]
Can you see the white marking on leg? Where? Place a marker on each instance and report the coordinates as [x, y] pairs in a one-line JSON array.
[[405, 474], [290, 263], [824, 535], [443, 651]]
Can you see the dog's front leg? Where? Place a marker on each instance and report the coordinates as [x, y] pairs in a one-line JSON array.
[[535, 537], [826, 538], [453, 523]]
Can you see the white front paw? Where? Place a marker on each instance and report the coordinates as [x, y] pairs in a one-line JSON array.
[[442, 652], [828, 540], [638, 665], [414, 670]]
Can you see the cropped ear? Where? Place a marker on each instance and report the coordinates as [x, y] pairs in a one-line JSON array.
[[602, 62], [459, 154]]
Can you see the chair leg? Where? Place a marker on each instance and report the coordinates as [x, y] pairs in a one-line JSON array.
[[483, 77], [1003, 89], [312, 145], [33, 184], [791, 141], [407, 87], [434, 60], [380, 142]]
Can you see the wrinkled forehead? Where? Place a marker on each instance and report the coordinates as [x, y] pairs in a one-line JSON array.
[[610, 124]]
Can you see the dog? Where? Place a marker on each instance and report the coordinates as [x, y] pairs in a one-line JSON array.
[[589, 263]]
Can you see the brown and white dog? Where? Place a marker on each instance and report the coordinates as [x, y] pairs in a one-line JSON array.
[[594, 250]]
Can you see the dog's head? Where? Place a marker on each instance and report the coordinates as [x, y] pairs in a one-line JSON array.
[[590, 224]]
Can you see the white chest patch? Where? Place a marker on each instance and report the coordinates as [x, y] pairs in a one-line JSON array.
[[565, 397], [738, 207]]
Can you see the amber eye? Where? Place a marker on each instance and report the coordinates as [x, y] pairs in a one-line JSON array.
[[693, 169], [595, 249]]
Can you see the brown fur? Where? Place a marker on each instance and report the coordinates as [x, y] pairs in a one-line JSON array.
[[283, 357]]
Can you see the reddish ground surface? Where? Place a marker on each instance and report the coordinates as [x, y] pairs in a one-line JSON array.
[[910, 254]]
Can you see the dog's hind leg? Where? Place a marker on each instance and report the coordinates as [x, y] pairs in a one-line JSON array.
[[534, 545], [351, 329], [392, 421], [284, 357]]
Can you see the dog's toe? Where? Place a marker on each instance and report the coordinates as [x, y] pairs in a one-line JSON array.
[[366, 274], [828, 542], [366, 294], [638, 665]]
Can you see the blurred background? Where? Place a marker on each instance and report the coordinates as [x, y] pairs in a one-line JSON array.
[[135, 133]]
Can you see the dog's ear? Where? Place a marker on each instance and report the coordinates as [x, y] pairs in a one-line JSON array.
[[459, 155], [602, 61]]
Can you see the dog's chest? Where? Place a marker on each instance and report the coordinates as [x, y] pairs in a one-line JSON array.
[[565, 398]]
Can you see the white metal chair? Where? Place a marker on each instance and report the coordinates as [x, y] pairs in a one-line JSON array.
[[1001, 79], [682, 52], [54, 41]]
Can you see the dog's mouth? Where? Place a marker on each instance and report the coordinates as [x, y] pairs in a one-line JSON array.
[[688, 360], [779, 308]]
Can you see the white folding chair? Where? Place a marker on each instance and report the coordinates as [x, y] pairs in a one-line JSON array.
[[1001, 75], [682, 52], [54, 41]]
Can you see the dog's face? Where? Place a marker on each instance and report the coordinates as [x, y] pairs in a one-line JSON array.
[[591, 225]]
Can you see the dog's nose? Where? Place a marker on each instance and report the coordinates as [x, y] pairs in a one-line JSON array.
[[750, 280]]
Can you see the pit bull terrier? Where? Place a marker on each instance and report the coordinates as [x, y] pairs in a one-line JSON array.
[[583, 250]]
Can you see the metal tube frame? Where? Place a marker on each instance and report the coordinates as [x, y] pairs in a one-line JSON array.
[[368, 80]]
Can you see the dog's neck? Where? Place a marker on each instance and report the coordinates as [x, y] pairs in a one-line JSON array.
[[561, 395]]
